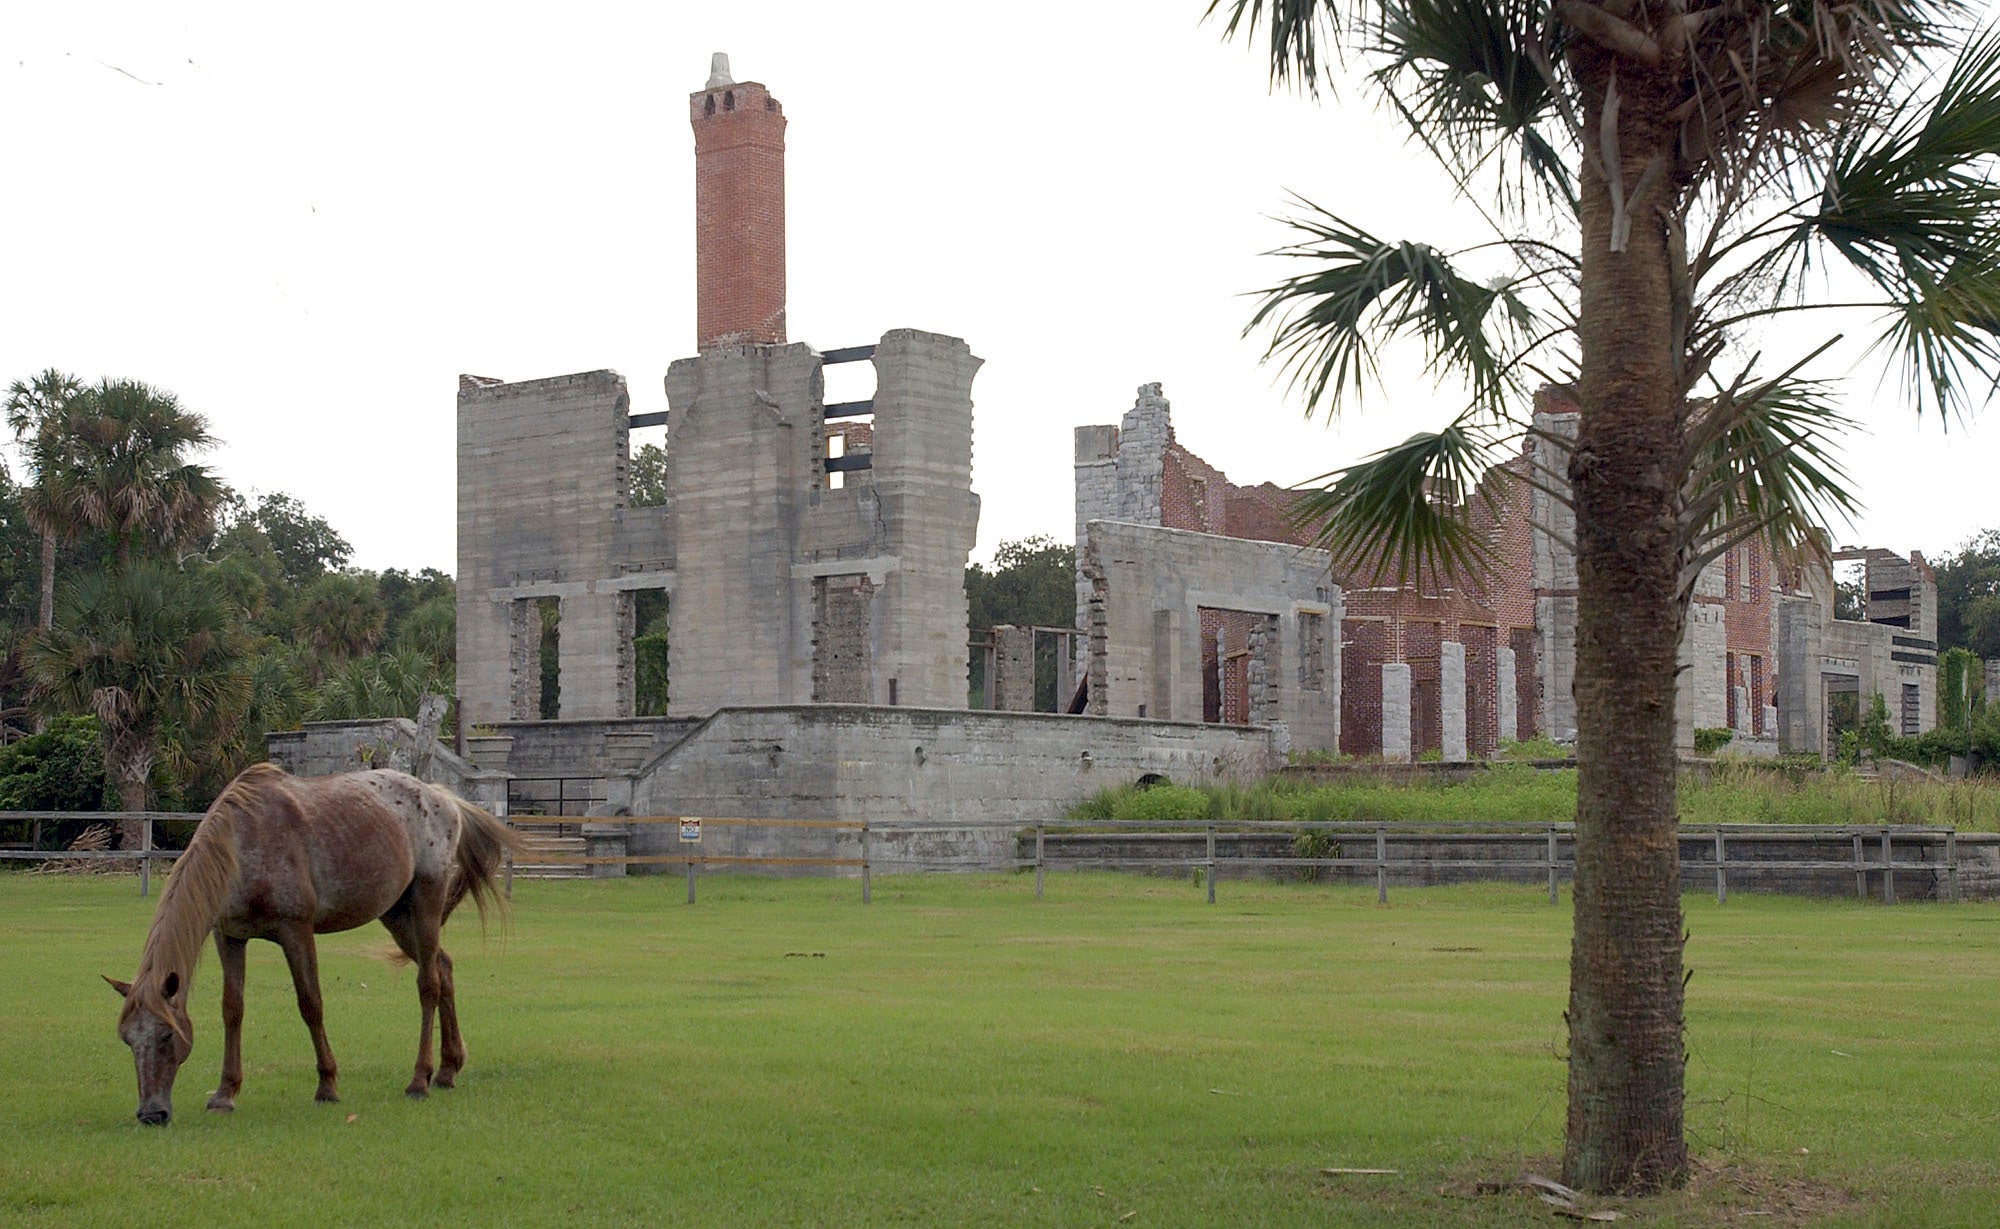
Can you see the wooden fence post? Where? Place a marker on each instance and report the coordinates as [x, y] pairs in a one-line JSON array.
[[145, 855], [690, 881], [1951, 863], [1721, 868], [1888, 875], [1038, 861], [1552, 864], [1211, 864], [1381, 865], [864, 862], [1860, 870]]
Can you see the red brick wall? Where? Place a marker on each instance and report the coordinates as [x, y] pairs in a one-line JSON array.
[[1482, 694], [739, 226], [1746, 622], [1527, 684], [1364, 647]]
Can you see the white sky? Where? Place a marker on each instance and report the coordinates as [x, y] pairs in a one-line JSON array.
[[307, 221]]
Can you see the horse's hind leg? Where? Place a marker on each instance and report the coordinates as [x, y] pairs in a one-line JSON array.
[[451, 1046], [422, 914], [402, 926], [230, 953], [303, 957]]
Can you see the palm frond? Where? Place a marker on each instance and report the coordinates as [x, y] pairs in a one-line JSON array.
[[1295, 29], [1463, 75], [1914, 206], [1328, 323], [1760, 463], [1403, 510]]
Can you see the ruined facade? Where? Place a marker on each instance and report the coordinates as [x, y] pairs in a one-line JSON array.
[[1891, 651], [1457, 666], [807, 552]]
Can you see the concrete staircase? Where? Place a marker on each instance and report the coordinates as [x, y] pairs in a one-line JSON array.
[[544, 844]]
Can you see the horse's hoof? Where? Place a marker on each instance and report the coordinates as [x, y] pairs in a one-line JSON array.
[[445, 1079], [326, 1096], [219, 1104], [417, 1092]]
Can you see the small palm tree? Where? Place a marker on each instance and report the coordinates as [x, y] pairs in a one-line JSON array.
[[143, 648], [38, 413], [1659, 178], [341, 617]]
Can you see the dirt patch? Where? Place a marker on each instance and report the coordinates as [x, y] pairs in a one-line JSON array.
[[1717, 1193]]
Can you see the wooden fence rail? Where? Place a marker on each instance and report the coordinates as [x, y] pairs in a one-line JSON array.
[[1551, 841], [1553, 846], [146, 855]]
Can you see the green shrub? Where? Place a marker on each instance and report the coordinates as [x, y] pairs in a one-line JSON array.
[[1540, 747], [59, 769], [1708, 742]]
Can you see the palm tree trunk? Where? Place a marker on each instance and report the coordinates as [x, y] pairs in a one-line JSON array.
[[48, 611], [1625, 1006]]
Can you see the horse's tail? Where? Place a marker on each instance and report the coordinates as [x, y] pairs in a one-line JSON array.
[[483, 845]]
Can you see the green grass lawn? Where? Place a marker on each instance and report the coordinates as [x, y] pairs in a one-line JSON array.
[[959, 1053]]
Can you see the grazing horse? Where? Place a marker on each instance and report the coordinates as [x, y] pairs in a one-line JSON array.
[[284, 858]]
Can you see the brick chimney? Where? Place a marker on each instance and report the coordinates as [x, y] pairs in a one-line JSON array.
[[739, 205]]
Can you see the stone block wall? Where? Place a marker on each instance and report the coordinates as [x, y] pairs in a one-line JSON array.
[[1396, 712], [1013, 669], [1451, 700], [540, 487], [1148, 589], [922, 477]]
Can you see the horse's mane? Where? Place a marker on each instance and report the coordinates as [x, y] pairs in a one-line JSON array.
[[202, 879]]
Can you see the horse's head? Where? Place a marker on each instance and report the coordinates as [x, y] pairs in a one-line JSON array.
[[155, 1023]]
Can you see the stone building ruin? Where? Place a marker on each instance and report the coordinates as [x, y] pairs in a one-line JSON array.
[[806, 552], [1457, 666]]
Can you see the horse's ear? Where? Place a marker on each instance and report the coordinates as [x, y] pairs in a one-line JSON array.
[[124, 988]]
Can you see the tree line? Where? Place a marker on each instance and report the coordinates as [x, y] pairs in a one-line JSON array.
[[155, 624]]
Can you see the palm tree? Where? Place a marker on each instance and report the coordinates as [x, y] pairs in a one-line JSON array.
[[38, 413], [133, 479], [341, 617], [144, 648], [1699, 162]]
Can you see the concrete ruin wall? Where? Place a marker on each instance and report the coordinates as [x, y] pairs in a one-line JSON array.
[[541, 495], [1553, 524], [783, 588], [1147, 589], [1817, 653]]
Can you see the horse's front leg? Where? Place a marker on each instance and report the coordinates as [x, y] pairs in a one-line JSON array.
[[230, 952], [303, 957]]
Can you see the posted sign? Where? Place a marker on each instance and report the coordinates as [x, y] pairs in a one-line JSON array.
[[690, 830]]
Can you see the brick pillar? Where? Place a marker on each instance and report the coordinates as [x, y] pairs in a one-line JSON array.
[[739, 202]]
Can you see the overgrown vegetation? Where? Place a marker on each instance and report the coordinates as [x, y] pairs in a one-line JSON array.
[[187, 619], [1761, 792]]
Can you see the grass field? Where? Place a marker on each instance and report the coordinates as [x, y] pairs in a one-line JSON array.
[[958, 1053]]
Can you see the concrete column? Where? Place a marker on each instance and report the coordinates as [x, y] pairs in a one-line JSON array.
[[1013, 669], [1451, 699], [1506, 702], [1770, 720], [1396, 712], [1739, 698]]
